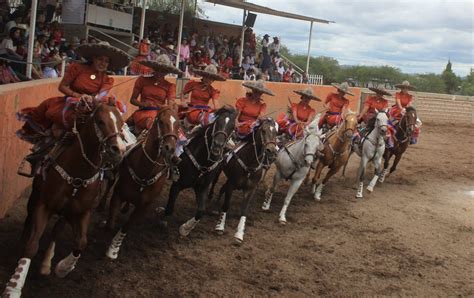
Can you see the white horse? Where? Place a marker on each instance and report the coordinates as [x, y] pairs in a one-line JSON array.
[[293, 163], [372, 149]]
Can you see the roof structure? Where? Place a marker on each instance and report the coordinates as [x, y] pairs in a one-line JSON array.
[[266, 10]]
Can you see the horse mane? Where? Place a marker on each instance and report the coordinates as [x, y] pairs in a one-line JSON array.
[[225, 108], [201, 131], [410, 109]]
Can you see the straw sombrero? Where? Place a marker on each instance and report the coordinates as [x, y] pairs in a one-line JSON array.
[[344, 87], [308, 92], [380, 90], [258, 86], [406, 85], [118, 58], [209, 72], [161, 64]]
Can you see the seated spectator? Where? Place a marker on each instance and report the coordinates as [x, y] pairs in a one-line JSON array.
[[274, 47], [246, 63]]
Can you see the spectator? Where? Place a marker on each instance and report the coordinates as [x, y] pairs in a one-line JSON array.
[[50, 9], [274, 47], [246, 63], [184, 54], [305, 79], [265, 43], [16, 19]]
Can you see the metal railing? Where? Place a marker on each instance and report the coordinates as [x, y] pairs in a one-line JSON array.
[[127, 46]]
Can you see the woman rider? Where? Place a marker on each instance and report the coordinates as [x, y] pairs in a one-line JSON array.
[[403, 99], [372, 104], [155, 92], [82, 83], [299, 114], [335, 104], [199, 112], [251, 107]]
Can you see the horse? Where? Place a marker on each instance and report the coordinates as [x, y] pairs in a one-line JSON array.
[[142, 173], [245, 168], [293, 163], [402, 138], [372, 148], [335, 153], [68, 186], [200, 161]]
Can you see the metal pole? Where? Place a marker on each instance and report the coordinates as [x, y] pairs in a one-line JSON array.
[[31, 38], [142, 20], [180, 32], [63, 66], [309, 48], [242, 39]]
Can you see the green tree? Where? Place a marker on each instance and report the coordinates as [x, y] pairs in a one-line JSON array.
[[174, 7], [467, 87], [451, 82], [427, 82]]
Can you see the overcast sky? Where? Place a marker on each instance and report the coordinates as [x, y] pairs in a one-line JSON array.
[[417, 36]]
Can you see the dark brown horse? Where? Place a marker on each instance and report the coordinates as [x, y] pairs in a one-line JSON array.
[[69, 187], [405, 129], [142, 174], [245, 168], [200, 162]]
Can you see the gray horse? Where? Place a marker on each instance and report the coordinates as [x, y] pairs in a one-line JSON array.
[[293, 163], [372, 149]]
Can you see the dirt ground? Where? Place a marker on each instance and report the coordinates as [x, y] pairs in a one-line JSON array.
[[413, 236]]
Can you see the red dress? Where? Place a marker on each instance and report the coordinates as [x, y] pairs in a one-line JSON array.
[[303, 112], [81, 78], [249, 112], [373, 103], [151, 91], [405, 100], [336, 104], [199, 108]]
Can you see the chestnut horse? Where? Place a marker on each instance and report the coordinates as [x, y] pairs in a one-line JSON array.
[[142, 173], [200, 161], [69, 187], [402, 138], [245, 168], [337, 148]]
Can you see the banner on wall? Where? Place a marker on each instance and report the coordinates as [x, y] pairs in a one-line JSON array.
[[73, 11]]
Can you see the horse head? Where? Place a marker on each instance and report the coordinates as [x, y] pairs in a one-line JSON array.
[[408, 122], [164, 132], [312, 140], [381, 122], [108, 124], [350, 124], [266, 132], [221, 129]]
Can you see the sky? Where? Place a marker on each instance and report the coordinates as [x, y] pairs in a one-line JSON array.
[[417, 36]]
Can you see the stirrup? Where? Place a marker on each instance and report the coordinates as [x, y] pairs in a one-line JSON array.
[[23, 169]]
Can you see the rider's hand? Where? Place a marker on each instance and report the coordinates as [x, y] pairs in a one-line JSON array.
[[86, 98]]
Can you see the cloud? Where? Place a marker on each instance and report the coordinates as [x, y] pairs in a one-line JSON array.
[[416, 36]]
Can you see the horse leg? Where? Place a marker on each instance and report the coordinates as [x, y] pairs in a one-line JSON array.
[[378, 170], [295, 185], [39, 222], [114, 209], [316, 176], [395, 163], [174, 192], [46, 264], [201, 193], [80, 225], [137, 214], [270, 191], [360, 176], [386, 161], [226, 189], [248, 195], [319, 189]]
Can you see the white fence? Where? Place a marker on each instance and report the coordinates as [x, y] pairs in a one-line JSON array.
[[315, 79]]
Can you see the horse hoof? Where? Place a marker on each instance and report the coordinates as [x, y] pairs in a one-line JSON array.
[[45, 270], [163, 224], [220, 232], [370, 189], [282, 221], [112, 255], [238, 240], [183, 231], [159, 210], [317, 197], [265, 207], [359, 196]]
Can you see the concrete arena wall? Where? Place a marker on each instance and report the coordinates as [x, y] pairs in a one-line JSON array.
[[14, 97]]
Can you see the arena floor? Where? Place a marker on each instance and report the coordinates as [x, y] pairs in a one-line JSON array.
[[413, 236]]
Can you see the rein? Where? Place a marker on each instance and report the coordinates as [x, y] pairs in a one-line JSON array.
[[293, 158], [342, 141], [405, 135]]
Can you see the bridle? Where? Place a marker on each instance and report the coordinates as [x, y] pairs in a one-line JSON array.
[[346, 129], [213, 137], [403, 128], [295, 162]]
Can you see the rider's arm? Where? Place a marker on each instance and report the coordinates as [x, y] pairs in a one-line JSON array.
[[70, 75], [399, 104], [363, 112], [137, 90]]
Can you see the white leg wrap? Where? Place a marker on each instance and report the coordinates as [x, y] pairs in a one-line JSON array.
[[313, 188], [220, 226], [66, 265], [187, 227], [318, 192], [239, 235], [372, 183], [114, 248], [46, 265], [360, 190], [268, 200], [282, 218], [17, 281], [382, 177]]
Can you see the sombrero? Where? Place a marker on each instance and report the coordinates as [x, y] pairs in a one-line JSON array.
[[162, 64], [344, 87], [380, 90], [308, 92], [406, 85], [210, 72], [258, 86], [118, 58]]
